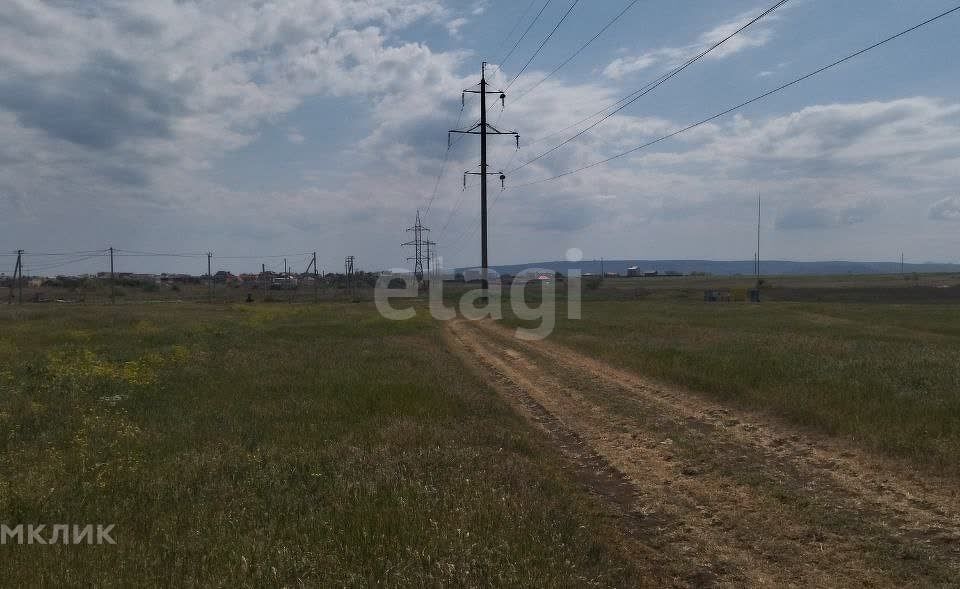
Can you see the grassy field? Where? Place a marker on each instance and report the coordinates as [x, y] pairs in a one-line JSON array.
[[884, 375], [276, 445], [863, 288]]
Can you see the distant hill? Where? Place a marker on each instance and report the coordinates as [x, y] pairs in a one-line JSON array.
[[729, 268]]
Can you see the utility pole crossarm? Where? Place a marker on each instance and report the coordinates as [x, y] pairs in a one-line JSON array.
[[482, 128]]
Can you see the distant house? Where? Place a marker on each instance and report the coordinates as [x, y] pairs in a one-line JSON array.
[[476, 275], [284, 282], [633, 272], [650, 273], [224, 277]]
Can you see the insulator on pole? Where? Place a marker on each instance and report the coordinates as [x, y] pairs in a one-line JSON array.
[[503, 101], [502, 181], [518, 141]]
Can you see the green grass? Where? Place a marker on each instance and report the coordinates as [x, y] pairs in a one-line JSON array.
[[885, 376], [276, 445]]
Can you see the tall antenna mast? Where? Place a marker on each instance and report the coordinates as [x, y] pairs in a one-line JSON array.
[[758, 246]]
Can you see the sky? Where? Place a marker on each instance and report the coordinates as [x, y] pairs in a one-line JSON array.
[[267, 129]]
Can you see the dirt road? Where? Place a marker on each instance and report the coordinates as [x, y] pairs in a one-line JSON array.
[[710, 496]]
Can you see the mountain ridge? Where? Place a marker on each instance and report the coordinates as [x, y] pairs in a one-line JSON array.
[[732, 267]]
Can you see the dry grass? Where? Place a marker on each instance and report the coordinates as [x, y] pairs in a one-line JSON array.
[[276, 446], [885, 376]]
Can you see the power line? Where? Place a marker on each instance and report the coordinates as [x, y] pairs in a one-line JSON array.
[[544, 42], [443, 165], [483, 129], [277, 256], [515, 45], [139, 254], [578, 51], [43, 267], [64, 254], [454, 210], [596, 114], [747, 102], [658, 83], [515, 26]]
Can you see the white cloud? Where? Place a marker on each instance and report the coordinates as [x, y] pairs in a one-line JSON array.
[[112, 99], [187, 83], [757, 35], [294, 136], [947, 209], [820, 168], [454, 26]]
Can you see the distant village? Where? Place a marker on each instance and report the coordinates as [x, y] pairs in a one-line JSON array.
[[268, 279]]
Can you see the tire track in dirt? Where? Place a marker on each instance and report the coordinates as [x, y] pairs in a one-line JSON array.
[[724, 498], [931, 505]]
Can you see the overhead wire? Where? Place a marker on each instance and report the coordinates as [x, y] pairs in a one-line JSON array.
[[663, 79], [443, 165], [747, 102], [577, 52], [544, 42], [63, 254], [523, 36], [634, 96], [43, 267], [515, 26]]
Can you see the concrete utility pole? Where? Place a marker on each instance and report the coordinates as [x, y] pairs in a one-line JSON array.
[[17, 278], [13, 279], [417, 243], [209, 278], [113, 294], [483, 129], [758, 246], [316, 279]]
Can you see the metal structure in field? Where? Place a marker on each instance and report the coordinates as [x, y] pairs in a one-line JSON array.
[[482, 128], [418, 247], [348, 272]]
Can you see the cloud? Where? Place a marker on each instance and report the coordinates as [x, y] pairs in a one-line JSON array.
[[294, 136], [824, 216], [102, 97], [454, 26], [947, 209], [666, 58], [101, 104], [803, 218], [115, 112], [821, 167]]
